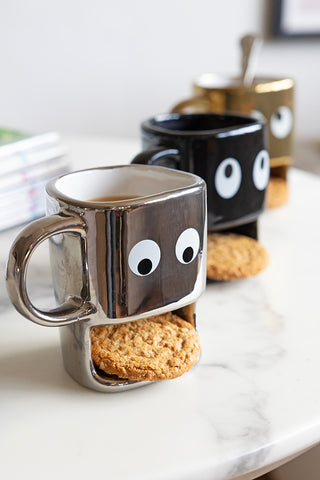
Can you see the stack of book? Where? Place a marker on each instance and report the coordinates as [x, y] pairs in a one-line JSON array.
[[26, 164]]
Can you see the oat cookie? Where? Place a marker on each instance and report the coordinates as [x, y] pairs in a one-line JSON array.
[[231, 256], [155, 348], [277, 192]]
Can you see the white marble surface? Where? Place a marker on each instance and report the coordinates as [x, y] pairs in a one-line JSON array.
[[252, 401]]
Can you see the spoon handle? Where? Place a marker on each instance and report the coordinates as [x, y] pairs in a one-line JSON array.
[[250, 48]]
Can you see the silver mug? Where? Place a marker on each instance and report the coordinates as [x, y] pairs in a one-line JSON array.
[[114, 261]]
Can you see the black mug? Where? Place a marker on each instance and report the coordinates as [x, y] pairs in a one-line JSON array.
[[227, 151]]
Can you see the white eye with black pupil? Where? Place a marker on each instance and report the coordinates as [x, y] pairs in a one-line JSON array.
[[258, 115], [187, 245], [144, 257], [261, 170], [281, 122], [227, 179]]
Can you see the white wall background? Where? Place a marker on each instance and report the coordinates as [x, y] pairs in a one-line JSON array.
[[101, 66]]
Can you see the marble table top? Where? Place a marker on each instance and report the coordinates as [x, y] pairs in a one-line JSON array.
[[252, 401]]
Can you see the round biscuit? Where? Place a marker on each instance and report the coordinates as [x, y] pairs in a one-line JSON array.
[[277, 192], [231, 256], [161, 347]]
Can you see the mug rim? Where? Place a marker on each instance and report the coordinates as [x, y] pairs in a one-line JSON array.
[[232, 82], [195, 182], [248, 124]]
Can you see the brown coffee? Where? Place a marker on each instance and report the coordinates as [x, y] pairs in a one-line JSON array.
[[113, 198]]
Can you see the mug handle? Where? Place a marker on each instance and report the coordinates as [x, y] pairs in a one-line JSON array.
[[162, 156], [75, 308], [192, 105]]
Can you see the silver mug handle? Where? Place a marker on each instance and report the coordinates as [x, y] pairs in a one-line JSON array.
[[75, 308]]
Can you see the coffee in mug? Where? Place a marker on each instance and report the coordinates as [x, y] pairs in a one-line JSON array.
[[127, 250]]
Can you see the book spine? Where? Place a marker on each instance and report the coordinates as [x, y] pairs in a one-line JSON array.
[[38, 141], [25, 159], [27, 175]]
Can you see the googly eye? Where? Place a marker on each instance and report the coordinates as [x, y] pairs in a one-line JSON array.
[[144, 257], [187, 245], [261, 170], [258, 115], [227, 178], [281, 122]]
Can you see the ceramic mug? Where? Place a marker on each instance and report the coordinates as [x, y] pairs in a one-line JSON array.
[[269, 98], [117, 236], [227, 151]]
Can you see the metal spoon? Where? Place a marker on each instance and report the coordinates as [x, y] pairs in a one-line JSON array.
[[250, 48]]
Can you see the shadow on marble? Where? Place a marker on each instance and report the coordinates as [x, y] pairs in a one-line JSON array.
[[36, 369]]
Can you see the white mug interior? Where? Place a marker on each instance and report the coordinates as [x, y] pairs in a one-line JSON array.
[[222, 81], [132, 181]]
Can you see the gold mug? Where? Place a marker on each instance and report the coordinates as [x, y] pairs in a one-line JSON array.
[[268, 98]]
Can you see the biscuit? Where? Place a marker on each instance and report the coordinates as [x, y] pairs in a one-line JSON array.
[[161, 347], [277, 192], [231, 256]]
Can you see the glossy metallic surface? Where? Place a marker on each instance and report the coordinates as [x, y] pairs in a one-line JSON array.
[[218, 94], [89, 247], [200, 143], [74, 306]]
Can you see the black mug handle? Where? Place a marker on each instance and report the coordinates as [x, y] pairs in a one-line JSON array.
[[161, 156]]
